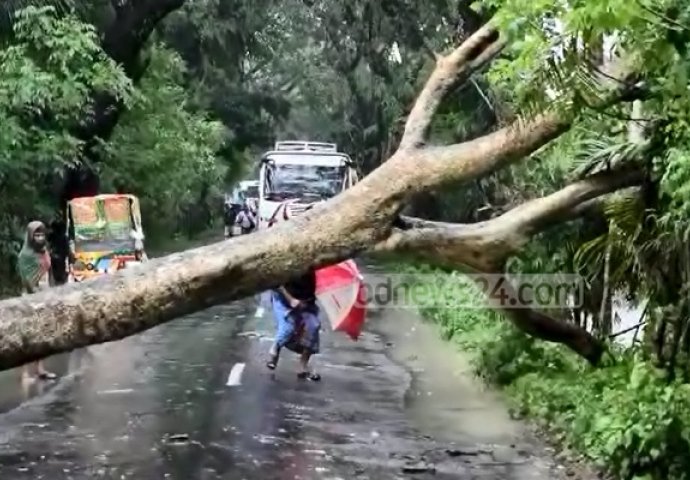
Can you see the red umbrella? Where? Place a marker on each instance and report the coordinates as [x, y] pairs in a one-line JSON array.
[[340, 291]]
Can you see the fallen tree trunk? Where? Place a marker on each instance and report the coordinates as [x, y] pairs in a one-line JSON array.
[[361, 219]]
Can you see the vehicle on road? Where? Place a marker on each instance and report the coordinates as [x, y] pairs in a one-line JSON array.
[[246, 190], [105, 234], [297, 174]]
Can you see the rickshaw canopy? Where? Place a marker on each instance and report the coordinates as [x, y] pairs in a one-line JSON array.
[[104, 221]]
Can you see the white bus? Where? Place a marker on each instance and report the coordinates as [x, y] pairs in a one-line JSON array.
[[299, 173]]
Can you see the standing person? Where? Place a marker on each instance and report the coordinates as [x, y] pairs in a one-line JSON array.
[[34, 268], [253, 212], [245, 220], [229, 215], [138, 237], [58, 247], [297, 322]]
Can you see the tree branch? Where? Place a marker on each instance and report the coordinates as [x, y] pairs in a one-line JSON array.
[[438, 165], [124, 303], [481, 156], [123, 41], [450, 71], [486, 245]]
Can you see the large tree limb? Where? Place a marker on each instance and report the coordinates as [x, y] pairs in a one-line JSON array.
[[486, 245], [124, 303], [451, 70]]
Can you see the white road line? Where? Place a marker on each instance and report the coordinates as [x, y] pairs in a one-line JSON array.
[[112, 392], [235, 377], [259, 312]]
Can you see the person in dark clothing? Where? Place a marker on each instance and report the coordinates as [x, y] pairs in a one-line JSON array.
[[229, 214], [59, 250], [296, 314]]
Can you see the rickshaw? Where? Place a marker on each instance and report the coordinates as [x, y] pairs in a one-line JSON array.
[[104, 234]]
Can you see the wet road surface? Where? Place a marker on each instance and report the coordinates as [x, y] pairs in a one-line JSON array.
[[192, 400]]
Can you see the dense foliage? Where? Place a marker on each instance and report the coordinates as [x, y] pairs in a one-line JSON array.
[[180, 117], [625, 417], [178, 113], [631, 416], [163, 149], [47, 75]]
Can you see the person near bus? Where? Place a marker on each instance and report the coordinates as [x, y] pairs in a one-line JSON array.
[[245, 220]]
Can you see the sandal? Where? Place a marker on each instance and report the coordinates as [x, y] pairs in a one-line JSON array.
[[272, 363], [314, 377], [47, 376]]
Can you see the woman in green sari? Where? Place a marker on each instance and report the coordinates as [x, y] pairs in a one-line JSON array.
[[34, 269]]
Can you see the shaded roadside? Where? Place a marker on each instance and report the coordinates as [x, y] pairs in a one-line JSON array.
[[13, 392]]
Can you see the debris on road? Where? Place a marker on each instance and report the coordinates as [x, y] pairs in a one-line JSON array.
[[467, 451], [420, 467], [177, 438]]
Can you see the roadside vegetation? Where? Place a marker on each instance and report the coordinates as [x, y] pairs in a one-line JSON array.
[[627, 417], [171, 100]]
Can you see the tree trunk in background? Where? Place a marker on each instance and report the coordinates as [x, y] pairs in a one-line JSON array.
[[124, 38], [604, 321]]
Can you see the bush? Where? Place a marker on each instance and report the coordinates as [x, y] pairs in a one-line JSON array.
[[626, 417]]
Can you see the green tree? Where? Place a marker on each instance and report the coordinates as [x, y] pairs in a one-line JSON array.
[[48, 73]]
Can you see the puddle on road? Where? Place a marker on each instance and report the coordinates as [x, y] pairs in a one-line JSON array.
[[445, 399], [14, 392], [362, 365]]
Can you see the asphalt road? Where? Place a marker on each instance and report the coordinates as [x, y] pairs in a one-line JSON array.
[[192, 400]]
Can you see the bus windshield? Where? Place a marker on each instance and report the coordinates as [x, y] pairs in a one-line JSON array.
[[284, 181]]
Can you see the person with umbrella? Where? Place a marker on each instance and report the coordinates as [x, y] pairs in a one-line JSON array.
[[298, 325], [296, 314]]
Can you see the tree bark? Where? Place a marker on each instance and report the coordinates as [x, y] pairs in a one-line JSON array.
[[123, 40], [604, 321], [124, 303]]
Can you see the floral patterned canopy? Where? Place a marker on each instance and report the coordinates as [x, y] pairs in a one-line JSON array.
[[105, 217]]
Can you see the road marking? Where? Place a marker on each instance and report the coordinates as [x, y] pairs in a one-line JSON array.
[[259, 312], [114, 392], [235, 377]]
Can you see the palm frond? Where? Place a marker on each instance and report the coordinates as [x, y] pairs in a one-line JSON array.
[[597, 154], [626, 213], [590, 255]]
